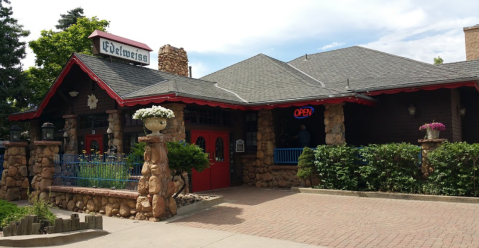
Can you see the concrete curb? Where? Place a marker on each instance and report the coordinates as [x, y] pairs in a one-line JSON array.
[[51, 239], [214, 200], [398, 196]]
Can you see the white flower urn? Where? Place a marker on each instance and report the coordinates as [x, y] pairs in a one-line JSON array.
[[155, 125]]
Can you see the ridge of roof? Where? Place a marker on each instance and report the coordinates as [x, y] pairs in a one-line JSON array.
[[239, 62]]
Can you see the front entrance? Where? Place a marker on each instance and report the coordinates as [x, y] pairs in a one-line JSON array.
[[94, 144], [216, 145]]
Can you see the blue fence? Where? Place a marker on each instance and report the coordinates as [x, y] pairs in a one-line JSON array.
[[291, 155], [100, 171], [1, 163]]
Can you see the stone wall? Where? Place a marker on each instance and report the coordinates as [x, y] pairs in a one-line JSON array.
[[71, 129], [114, 123], [103, 201], [249, 169], [334, 124], [34, 134], [472, 42], [44, 167], [14, 182], [285, 176], [155, 186], [173, 60], [175, 127]]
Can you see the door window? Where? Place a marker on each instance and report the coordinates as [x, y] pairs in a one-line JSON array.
[[94, 147], [219, 149]]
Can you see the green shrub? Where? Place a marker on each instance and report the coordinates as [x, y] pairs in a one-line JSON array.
[[306, 168], [103, 175], [455, 170], [336, 167], [7, 209], [390, 167], [39, 208], [184, 157]]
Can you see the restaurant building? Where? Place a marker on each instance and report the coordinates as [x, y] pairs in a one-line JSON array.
[[246, 116]]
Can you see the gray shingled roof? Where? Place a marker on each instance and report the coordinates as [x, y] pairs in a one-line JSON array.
[[129, 81], [368, 69], [465, 67], [262, 79]]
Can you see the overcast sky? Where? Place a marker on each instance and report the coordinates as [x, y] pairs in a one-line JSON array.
[[217, 34]]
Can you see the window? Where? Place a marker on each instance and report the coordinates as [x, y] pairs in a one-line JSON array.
[[93, 120], [213, 117], [251, 131], [129, 141], [129, 121]]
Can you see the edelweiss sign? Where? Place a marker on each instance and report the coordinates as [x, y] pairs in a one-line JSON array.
[[116, 49]]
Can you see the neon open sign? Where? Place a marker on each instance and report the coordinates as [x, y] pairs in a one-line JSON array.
[[303, 112]]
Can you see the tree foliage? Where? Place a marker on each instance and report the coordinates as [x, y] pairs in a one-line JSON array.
[[438, 60], [14, 94], [70, 18], [53, 49], [306, 168]]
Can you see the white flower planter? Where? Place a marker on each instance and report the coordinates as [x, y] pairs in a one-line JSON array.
[[155, 125]]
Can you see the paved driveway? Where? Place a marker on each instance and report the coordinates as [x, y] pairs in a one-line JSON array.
[[340, 221]]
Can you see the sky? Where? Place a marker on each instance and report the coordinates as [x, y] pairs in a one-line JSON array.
[[217, 34]]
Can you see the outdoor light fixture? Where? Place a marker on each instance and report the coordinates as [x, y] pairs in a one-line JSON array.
[[110, 133], [462, 111], [47, 131], [412, 110], [65, 136], [15, 132]]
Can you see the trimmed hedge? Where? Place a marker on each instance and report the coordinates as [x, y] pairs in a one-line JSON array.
[[396, 167], [455, 170]]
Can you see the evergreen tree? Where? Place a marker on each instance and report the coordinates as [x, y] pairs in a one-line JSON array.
[[70, 18], [14, 94]]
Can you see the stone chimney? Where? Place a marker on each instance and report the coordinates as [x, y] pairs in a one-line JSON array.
[[472, 42], [173, 60]]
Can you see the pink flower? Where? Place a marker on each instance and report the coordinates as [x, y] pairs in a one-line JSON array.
[[434, 126]]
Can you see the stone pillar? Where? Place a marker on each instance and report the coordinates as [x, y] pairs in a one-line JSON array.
[[44, 167], [155, 186], [334, 124], [249, 169], [428, 145], [265, 148], [14, 182], [114, 119], [173, 60], [71, 128], [175, 127], [34, 134]]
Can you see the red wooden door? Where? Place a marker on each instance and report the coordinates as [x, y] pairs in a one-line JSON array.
[[200, 181], [216, 145], [94, 144], [220, 176]]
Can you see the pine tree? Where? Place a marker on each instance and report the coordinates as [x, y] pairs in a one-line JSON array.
[[70, 18], [14, 94]]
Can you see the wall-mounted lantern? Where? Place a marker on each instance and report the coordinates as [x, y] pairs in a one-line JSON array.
[[462, 111], [110, 133], [412, 110], [15, 133], [47, 131], [65, 137]]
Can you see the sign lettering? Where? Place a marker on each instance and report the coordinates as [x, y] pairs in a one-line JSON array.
[[303, 112], [124, 51]]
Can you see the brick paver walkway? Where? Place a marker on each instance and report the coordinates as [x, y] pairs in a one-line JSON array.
[[341, 221]]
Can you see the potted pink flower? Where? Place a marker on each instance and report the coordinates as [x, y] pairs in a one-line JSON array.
[[433, 129]]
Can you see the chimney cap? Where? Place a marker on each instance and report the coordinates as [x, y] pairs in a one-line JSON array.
[[471, 27]]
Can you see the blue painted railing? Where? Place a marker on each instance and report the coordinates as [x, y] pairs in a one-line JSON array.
[[291, 155], [1, 163], [100, 171]]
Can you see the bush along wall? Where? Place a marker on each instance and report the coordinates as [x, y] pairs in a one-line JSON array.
[[455, 168], [388, 167]]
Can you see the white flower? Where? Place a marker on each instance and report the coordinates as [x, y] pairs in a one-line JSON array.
[[92, 101], [154, 111]]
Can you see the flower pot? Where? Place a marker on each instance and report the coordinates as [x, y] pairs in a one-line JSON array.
[[432, 133], [155, 125]]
